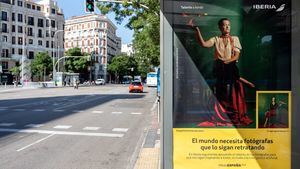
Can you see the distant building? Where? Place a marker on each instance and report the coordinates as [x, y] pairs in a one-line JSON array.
[[128, 49], [28, 27], [93, 33]]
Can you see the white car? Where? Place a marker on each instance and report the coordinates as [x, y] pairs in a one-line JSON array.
[[100, 82]]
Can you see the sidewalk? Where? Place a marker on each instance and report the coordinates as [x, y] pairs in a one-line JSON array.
[[149, 155]]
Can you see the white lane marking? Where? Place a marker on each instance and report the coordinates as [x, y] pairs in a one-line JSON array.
[[18, 110], [91, 128], [116, 112], [3, 107], [77, 111], [36, 142], [133, 113], [62, 127], [39, 110], [120, 129], [154, 104], [58, 110], [61, 132], [7, 124], [34, 125], [97, 112]]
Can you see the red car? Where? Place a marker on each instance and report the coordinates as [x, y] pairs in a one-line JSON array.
[[136, 87]]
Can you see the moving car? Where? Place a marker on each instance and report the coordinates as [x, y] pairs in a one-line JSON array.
[[100, 82], [136, 86]]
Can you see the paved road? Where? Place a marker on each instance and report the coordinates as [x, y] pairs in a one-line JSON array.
[[100, 127]]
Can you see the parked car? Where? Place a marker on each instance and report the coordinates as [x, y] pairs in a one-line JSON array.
[[100, 82], [136, 87]]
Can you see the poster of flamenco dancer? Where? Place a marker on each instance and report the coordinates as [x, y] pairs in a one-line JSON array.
[[223, 54]]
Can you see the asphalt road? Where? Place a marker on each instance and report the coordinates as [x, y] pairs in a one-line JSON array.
[[100, 127]]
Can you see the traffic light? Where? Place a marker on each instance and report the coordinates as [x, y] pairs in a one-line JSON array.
[[89, 6]]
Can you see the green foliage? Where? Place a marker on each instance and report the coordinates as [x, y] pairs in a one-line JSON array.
[[145, 23], [76, 65], [122, 65], [15, 71], [41, 63]]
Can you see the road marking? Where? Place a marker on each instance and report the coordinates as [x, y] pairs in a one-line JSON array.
[[36, 142], [3, 109], [133, 113], [116, 112], [91, 128], [86, 101], [97, 112], [120, 129], [18, 109], [62, 127], [34, 125], [7, 124], [39, 110], [61, 133], [78, 111], [154, 104], [58, 110]]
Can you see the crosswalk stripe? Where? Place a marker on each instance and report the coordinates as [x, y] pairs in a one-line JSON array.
[[97, 112], [120, 129], [7, 124], [39, 110], [133, 113], [58, 110], [34, 125], [116, 112], [91, 128], [62, 127]]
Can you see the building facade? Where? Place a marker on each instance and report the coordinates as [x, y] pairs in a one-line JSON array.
[[29, 27], [128, 49], [95, 34]]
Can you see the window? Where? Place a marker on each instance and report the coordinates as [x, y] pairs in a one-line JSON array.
[[52, 23], [20, 3], [13, 28], [4, 38], [29, 31], [4, 27], [52, 44], [4, 54], [4, 16], [31, 55], [38, 8], [33, 7], [53, 11], [5, 65], [52, 34], [13, 40], [20, 17], [30, 41], [13, 16], [13, 51], [30, 20], [40, 22], [20, 51], [13, 2], [20, 29], [40, 33], [20, 41], [40, 43], [47, 23], [47, 33], [47, 44], [28, 6]]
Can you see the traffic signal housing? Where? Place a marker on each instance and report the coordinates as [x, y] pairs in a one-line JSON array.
[[89, 6]]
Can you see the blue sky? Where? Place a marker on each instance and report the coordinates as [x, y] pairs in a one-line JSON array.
[[76, 8]]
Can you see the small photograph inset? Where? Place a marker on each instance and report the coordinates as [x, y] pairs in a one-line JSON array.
[[273, 109]]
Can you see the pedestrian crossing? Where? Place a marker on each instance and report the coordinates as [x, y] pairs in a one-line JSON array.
[[61, 127]]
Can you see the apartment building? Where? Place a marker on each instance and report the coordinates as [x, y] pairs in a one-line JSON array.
[[29, 27], [96, 34]]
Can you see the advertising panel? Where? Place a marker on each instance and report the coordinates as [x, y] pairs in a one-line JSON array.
[[232, 84]]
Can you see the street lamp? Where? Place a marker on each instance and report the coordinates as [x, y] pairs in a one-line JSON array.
[[53, 51]]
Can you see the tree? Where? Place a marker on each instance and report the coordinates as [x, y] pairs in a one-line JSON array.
[[41, 64], [145, 23], [15, 71], [78, 65], [122, 65]]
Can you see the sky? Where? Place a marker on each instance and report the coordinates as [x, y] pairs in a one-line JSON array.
[[76, 8]]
